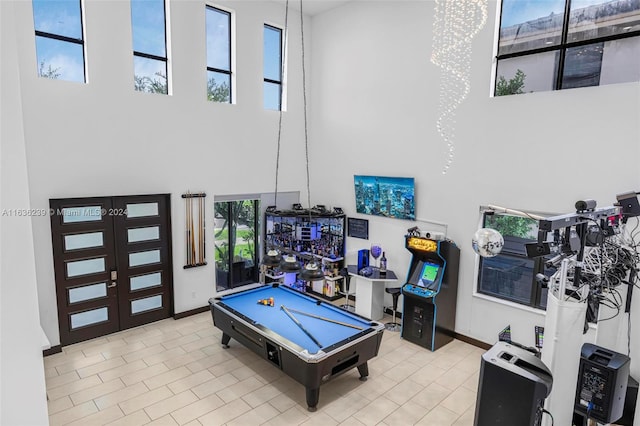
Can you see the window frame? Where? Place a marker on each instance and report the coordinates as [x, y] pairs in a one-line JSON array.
[[229, 72], [561, 47], [279, 82], [67, 39], [151, 56], [510, 250], [229, 280]]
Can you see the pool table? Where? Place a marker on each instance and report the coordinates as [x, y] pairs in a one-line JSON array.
[[310, 340]]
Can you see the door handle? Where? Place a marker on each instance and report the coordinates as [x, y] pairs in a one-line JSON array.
[[113, 284]]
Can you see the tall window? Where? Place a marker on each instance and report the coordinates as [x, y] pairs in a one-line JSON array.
[[272, 68], [511, 274], [59, 39], [558, 44], [218, 55], [236, 242], [148, 26]]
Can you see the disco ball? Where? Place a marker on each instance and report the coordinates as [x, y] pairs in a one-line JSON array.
[[487, 242]]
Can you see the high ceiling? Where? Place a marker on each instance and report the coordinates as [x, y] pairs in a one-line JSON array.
[[314, 7]]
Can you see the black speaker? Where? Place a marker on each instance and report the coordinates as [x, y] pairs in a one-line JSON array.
[[512, 388], [628, 413], [602, 383]]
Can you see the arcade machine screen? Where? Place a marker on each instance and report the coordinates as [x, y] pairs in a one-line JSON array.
[[428, 275]]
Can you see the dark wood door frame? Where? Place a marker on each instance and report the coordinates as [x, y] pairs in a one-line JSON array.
[[114, 274], [62, 257], [123, 248]]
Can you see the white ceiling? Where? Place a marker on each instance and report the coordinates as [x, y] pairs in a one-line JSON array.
[[314, 7]]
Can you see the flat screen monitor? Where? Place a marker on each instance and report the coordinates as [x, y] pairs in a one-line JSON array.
[[426, 274], [429, 275]]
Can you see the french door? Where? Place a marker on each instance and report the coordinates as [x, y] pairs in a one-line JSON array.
[[236, 228], [112, 262]]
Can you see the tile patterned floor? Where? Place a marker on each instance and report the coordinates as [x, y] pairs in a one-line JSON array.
[[175, 372]]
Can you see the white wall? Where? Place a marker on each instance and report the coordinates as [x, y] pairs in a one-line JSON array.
[[375, 106], [103, 138], [22, 389]]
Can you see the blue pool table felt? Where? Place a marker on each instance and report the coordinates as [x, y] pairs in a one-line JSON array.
[[277, 321]]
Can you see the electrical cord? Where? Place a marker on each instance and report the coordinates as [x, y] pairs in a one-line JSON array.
[[549, 414], [608, 267], [634, 282], [611, 317], [632, 233], [629, 334], [284, 60], [613, 259]]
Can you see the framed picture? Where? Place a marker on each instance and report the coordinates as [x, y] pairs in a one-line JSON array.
[[358, 228], [385, 196]]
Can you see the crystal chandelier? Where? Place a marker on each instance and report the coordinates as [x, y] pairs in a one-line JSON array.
[[456, 23]]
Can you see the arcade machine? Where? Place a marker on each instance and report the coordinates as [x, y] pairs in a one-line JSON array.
[[430, 294]]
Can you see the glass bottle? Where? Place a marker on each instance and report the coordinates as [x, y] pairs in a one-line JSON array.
[[383, 263]]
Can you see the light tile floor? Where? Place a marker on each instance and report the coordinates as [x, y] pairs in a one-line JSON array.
[[175, 372]]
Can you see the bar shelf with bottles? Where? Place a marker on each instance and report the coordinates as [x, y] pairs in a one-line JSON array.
[[316, 233]]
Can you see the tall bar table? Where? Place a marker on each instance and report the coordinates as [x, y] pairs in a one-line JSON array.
[[370, 291]]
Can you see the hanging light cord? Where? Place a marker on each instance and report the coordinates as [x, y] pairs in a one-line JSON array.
[[284, 55], [304, 107]]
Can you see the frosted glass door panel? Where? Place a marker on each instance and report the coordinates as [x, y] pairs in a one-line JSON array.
[[146, 304], [87, 292], [150, 233], [144, 258], [82, 241], [81, 214], [142, 210], [110, 255], [93, 316], [85, 267], [145, 281]]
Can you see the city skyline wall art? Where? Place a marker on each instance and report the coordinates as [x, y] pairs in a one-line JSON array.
[[385, 196]]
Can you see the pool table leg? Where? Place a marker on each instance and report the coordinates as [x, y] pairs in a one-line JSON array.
[[313, 394], [363, 369], [225, 340]]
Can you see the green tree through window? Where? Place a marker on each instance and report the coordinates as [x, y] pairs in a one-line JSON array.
[[511, 274], [59, 39], [514, 86], [566, 44], [49, 72], [218, 44], [512, 226], [217, 92], [151, 85], [149, 38], [235, 242]]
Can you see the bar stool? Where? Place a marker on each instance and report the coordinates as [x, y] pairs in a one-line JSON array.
[[395, 293], [345, 290]]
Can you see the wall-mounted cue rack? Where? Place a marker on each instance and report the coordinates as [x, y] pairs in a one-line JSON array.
[[194, 229]]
